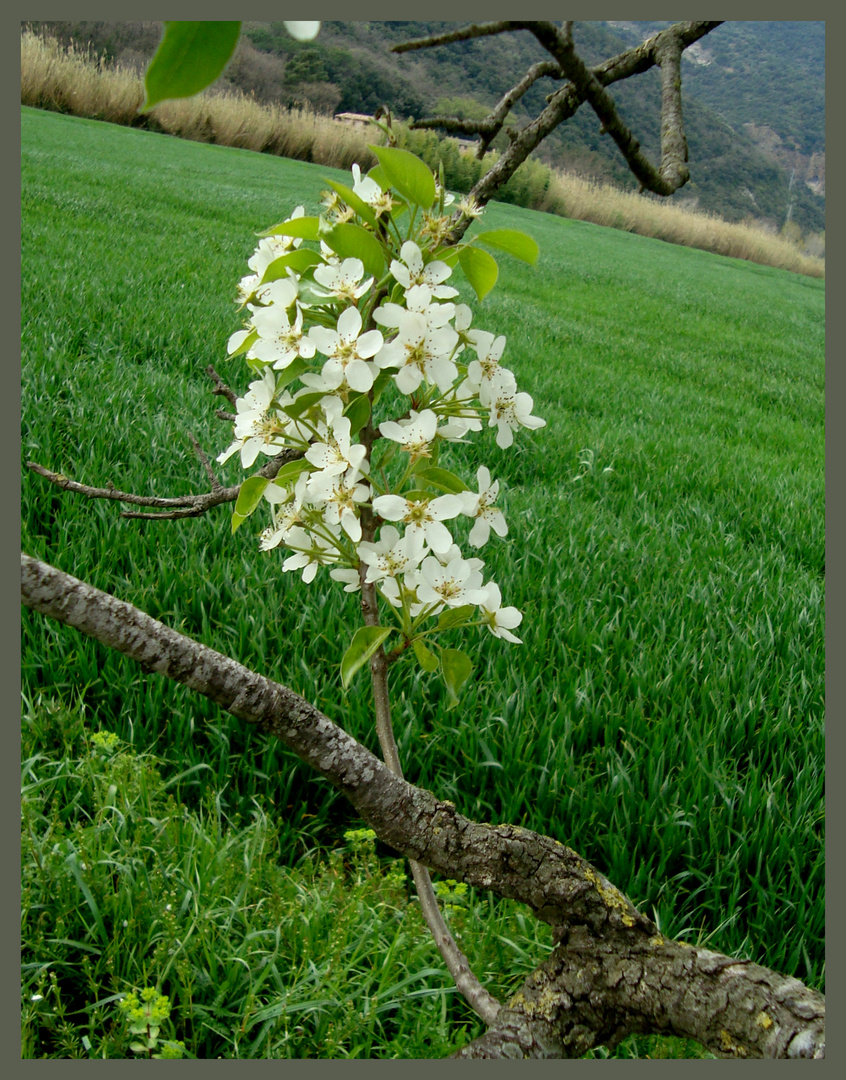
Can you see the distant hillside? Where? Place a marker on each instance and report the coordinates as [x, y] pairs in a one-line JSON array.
[[757, 151]]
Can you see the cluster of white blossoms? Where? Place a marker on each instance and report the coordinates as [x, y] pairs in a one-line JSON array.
[[329, 344]]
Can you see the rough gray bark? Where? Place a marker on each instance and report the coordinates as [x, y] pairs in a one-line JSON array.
[[611, 974]]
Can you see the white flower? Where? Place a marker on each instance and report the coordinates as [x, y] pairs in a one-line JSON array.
[[424, 516], [455, 584], [419, 299], [311, 552], [419, 351], [469, 207], [482, 371], [369, 191], [280, 341], [347, 351], [344, 280], [411, 271], [339, 496], [509, 409], [256, 431], [499, 620], [392, 555], [482, 509], [414, 435], [350, 578], [337, 454]]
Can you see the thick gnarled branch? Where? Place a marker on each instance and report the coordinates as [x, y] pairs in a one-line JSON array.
[[584, 84], [611, 974]]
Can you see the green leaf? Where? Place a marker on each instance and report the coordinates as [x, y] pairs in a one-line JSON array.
[[358, 413], [190, 56], [365, 642], [406, 173], [513, 241], [351, 241], [246, 344], [298, 260], [455, 616], [248, 499], [442, 479], [307, 228], [285, 376], [351, 199], [303, 403], [427, 659], [291, 471], [480, 268], [456, 668]]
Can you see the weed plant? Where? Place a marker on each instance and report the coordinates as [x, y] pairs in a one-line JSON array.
[[664, 716]]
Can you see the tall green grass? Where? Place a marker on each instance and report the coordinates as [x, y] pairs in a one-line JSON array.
[[665, 714]]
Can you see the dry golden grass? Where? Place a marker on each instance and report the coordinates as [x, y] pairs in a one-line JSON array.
[[71, 81], [604, 205]]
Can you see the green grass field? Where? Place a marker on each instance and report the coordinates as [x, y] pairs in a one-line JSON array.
[[664, 716]]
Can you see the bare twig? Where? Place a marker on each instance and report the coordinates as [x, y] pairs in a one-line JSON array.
[[465, 33], [220, 386], [172, 509]]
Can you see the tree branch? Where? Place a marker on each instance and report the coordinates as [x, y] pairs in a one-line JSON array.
[[612, 972], [588, 84], [172, 508]]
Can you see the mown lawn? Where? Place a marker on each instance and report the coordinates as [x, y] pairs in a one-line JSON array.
[[664, 715]]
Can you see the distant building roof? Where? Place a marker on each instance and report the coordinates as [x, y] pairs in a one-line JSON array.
[[353, 117]]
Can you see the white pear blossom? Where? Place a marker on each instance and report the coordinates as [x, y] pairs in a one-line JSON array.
[[481, 507], [500, 620], [411, 271], [414, 435], [419, 299], [311, 552], [279, 340], [337, 454], [339, 498], [455, 584], [256, 429], [425, 516], [369, 191], [482, 371], [420, 352], [508, 409], [344, 280], [392, 555], [347, 351]]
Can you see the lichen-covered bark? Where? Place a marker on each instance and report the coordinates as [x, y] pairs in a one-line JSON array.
[[611, 973]]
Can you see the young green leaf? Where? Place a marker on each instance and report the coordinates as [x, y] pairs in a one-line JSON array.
[[455, 616], [248, 499], [480, 268], [426, 658], [442, 479], [456, 668], [291, 471], [190, 56], [351, 199], [298, 260], [246, 344], [306, 228], [358, 413], [406, 173], [365, 642], [351, 241], [513, 241]]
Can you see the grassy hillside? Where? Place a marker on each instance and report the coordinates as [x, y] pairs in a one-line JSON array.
[[664, 716]]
